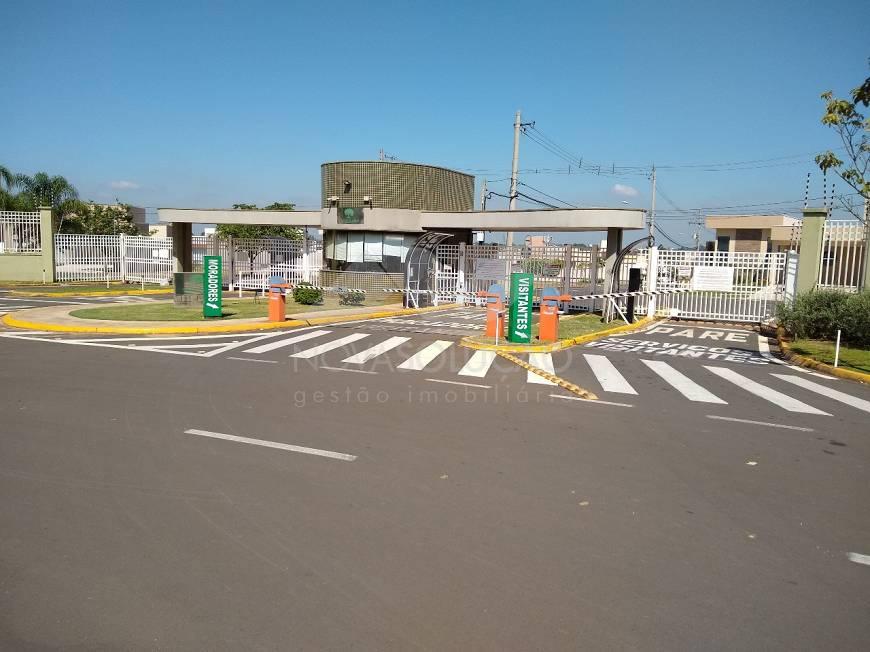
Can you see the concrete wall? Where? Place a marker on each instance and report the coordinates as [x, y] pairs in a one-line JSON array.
[[35, 267]]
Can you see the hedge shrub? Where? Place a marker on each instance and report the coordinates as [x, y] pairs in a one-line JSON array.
[[350, 298], [306, 295], [817, 315]]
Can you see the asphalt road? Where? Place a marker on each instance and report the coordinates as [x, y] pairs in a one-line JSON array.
[[490, 517]]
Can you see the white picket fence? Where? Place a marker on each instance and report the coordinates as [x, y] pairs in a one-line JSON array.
[[138, 259]]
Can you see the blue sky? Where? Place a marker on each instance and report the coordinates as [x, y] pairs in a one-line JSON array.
[[204, 104]]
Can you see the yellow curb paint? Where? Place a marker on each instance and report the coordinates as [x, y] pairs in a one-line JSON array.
[[11, 320], [105, 293], [555, 346], [561, 382], [811, 363]]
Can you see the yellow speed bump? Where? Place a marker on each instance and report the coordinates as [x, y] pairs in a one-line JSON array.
[[561, 382]]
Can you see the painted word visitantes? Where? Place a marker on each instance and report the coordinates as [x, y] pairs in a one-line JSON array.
[[212, 283], [520, 322]]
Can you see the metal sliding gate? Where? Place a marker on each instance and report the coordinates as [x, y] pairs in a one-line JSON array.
[[750, 284]]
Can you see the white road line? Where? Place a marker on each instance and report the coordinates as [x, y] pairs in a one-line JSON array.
[[57, 301], [760, 423], [168, 338], [378, 349], [355, 371], [478, 364], [273, 444], [589, 400], [423, 357], [858, 558], [454, 382], [682, 383], [329, 346], [12, 308], [199, 345], [608, 375], [542, 361], [768, 394], [229, 357], [848, 399], [271, 346]]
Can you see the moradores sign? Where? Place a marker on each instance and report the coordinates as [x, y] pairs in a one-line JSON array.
[[212, 284], [520, 323]]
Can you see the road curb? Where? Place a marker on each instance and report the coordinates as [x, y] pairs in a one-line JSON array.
[[101, 293], [811, 363], [11, 320], [555, 346], [561, 382]]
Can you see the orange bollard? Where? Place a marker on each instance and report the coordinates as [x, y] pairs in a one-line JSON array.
[[494, 314], [548, 324], [277, 302]]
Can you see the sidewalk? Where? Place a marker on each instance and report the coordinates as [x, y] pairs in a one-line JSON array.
[[58, 319]]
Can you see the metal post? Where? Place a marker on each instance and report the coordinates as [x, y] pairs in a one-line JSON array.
[[837, 350], [515, 164], [652, 206], [652, 274]]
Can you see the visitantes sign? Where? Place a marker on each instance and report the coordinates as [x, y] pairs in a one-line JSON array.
[[520, 322], [717, 279], [212, 283]]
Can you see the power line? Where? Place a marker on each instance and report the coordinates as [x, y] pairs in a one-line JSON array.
[[541, 192]]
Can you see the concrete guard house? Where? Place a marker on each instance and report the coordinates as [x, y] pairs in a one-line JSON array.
[[385, 216]]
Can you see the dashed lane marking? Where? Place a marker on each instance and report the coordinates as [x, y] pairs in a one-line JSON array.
[[589, 400], [354, 371], [760, 423], [455, 382], [272, 444]]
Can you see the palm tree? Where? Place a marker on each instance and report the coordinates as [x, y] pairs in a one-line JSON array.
[[8, 180], [56, 191]]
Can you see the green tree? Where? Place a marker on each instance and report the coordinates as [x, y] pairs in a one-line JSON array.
[[853, 127], [96, 219], [259, 232]]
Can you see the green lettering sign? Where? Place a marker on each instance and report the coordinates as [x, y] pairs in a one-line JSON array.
[[520, 321], [212, 287]]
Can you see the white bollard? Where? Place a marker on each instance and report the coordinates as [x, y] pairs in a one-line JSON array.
[[837, 350]]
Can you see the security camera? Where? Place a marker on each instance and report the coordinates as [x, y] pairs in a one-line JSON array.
[[333, 199], [367, 200]]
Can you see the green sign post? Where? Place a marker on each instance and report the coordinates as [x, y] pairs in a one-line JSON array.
[[212, 284], [520, 321]]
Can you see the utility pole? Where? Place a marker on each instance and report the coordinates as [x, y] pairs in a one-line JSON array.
[[652, 208], [515, 164], [483, 193]]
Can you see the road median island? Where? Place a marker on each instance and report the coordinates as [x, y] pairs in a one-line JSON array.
[[61, 319], [591, 324]]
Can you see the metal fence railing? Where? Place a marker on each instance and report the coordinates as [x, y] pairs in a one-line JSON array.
[[20, 232], [843, 255]]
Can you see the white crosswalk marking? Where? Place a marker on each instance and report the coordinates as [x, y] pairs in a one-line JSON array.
[[329, 346], [478, 364], [271, 346], [607, 375], [423, 357], [768, 394], [364, 356], [682, 383], [848, 399], [541, 361]]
